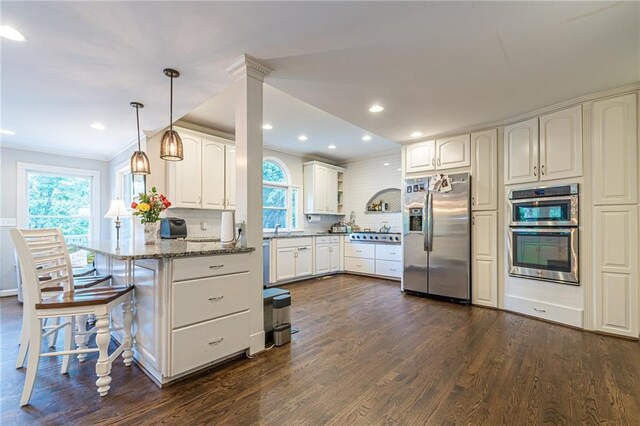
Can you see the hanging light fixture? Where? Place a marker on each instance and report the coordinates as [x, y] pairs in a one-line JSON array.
[[139, 160], [171, 144]]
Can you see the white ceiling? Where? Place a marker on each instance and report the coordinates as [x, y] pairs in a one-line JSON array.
[[291, 118], [435, 66]]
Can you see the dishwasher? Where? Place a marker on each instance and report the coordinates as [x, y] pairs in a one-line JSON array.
[[266, 257]]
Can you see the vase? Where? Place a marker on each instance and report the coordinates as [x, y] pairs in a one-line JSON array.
[[150, 233]]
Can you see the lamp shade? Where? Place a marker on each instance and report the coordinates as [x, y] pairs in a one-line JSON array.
[[171, 146], [117, 209], [140, 163]]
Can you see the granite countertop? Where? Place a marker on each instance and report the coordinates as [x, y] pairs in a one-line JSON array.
[[161, 250], [301, 234]]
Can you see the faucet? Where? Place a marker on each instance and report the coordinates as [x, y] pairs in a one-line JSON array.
[[275, 230]]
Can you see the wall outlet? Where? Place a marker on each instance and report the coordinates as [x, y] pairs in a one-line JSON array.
[[8, 221], [204, 226]]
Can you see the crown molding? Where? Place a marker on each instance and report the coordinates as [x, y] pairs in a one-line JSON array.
[[63, 153], [248, 65], [133, 144], [629, 88]]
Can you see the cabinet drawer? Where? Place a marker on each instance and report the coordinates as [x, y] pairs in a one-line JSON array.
[[209, 266], [323, 240], [364, 266], [388, 252], [200, 344], [389, 268], [366, 251], [206, 298], [294, 242]]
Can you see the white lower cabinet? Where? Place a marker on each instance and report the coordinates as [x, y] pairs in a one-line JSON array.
[[484, 252], [389, 268], [335, 256], [327, 255], [323, 258], [615, 274], [199, 344], [360, 265], [294, 257]]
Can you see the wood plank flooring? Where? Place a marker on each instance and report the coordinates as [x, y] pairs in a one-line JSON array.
[[365, 354]]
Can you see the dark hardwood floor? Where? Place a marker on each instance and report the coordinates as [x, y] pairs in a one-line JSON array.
[[365, 354]]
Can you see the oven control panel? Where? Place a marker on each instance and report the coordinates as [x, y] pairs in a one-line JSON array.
[[375, 237]]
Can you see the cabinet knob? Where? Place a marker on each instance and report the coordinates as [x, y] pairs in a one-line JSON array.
[[439, 161], [473, 201], [535, 170], [542, 169], [433, 161]]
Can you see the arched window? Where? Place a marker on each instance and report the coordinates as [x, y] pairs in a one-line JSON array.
[[280, 199]]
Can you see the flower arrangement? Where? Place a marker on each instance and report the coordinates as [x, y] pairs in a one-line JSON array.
[[150, 206]]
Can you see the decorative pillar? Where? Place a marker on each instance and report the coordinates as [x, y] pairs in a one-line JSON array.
[[248, 75]]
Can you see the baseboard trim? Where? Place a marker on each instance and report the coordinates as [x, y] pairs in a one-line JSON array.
[[7, 293]]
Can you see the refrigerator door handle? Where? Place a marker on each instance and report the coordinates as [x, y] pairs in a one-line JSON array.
[[428, 235]]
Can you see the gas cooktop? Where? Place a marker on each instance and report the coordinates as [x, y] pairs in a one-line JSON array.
[[377, 237]]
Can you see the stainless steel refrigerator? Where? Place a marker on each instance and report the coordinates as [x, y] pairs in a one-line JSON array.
[[437, 239]]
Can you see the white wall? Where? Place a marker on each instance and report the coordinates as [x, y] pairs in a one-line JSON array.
[[8, 182], [364, 179]]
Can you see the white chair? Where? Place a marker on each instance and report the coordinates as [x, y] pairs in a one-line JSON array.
[[43, 253]]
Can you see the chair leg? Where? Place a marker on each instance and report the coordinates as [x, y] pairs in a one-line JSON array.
[[103, 366], [35, 341], [24, 338], [127, 320], [81, 339], [68, 338], [53, 338]]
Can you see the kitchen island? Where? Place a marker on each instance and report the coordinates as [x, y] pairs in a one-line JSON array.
[[194, 302]]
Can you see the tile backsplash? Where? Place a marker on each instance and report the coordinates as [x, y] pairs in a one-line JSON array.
[[364, 179]]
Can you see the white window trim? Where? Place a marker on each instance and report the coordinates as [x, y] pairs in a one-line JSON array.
[[21, 194], [289, 186]]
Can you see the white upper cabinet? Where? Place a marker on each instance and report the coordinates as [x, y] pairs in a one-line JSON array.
[[213, 174], [561, 144], [205, 179], [331, 194], [615, 150], [187, 177], [230, 177], [321, 188], [453, 152], [521, 152], [420, 157], [484, 170]]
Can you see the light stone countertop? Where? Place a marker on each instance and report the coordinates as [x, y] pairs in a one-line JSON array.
[[271, 236], [161, 250]]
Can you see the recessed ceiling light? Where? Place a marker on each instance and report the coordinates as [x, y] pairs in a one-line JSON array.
[[98, 126], [7, 132], [385, 164], [366, 138], [376, 108], [267, 126], [10, 33], [302, 138], [331, 147], [416, 134]]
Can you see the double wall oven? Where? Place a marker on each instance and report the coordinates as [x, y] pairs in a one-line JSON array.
[[543, 234]]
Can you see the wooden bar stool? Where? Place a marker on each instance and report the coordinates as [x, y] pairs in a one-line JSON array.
[[38, 247]]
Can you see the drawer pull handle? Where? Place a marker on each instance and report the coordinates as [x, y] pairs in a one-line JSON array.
[[215, 266], [539, 310], [358, 251], [215, 299], [392, 269], [302, 248], [215, 342], [392, 252], [359, 266]]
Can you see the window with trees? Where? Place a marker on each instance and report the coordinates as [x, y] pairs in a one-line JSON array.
[[280, 199], [57, 197]]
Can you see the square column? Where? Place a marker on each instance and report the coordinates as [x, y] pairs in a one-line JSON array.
[[248, 75]]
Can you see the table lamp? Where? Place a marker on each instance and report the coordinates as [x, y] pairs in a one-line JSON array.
[[116, 210]]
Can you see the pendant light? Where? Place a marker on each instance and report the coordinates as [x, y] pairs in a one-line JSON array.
[[139, 160], [171, 144]]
